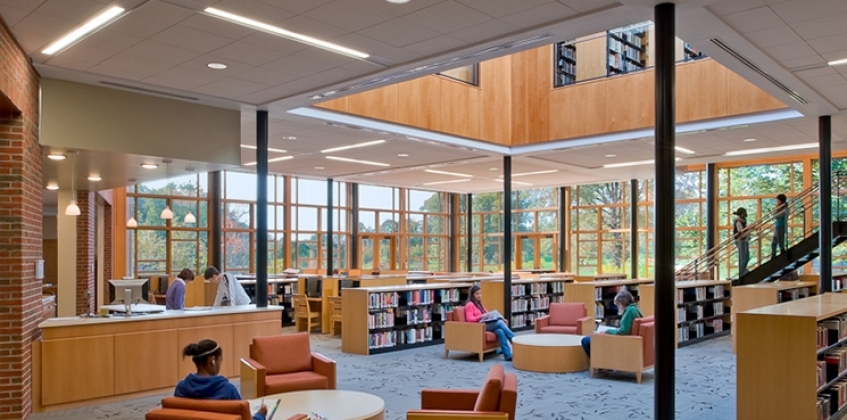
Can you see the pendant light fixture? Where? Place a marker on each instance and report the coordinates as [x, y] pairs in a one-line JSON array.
[[167, 213], [73, 209], [189, 218], [131, 223]]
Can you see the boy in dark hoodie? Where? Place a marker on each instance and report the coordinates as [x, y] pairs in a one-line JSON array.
[[206, 383]]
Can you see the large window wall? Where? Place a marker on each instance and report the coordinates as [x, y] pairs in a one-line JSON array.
[[600, 228]]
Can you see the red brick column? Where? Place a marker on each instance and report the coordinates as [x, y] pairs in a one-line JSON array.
[[20, 226], [86, 252]]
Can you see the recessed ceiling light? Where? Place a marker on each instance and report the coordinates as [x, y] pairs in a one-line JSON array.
[[398, 1], [838, 62], [403, 155], [771, 149], [446, 182], [280, 159], [363, 162], [289, 137], [493, 169], [56, 156], [248, 146], [549, 171], [251, 163], [515, 182], [149, 165], [52, 186], [611, 155], [216, 66], [319, 168], [433, 171], [88, 27], [684, 150], [95, 178], [353, 146], [749, 140]]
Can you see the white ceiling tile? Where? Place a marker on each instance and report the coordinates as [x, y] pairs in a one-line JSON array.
[[256, 10], [334, 74], [70, 63], [448, 17], [313, 28], [754, 19], [266, 76], [192, 77], [200, 64], [484, 31], [12, 15], [83, 52], [150, 18], [111, 40], [135, 65], [349, 15], [234, 85], [827, 44], [362, 66], [27, 5], [213, 25], [190, 38], [174, 82], [547, 13], [836, 55], [826, 26], [296, 6], [271, 42], [802, 10], [362, 43], [76, 11], [297, 66], [400, 9], [727, 7], [33, 41], [501, 8], [161, 52], [399, 32], [247, 53], [120, 73], [47, 27], [791, 51], [818, 72], [770, 37], [324, 56], [399, 55], [436, 45], [793, 63]]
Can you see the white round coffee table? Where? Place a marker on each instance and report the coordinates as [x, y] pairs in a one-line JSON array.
[[552, 353], [332, 404]]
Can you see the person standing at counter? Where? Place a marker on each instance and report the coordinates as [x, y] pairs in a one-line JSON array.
[[175, 296], [230, 292]]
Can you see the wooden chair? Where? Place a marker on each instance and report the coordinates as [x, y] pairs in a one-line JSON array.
[[628, 353], [335, 315], [496, 400], [303, 311], [465, 336]]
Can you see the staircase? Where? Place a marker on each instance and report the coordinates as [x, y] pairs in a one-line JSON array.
[[721, 261]]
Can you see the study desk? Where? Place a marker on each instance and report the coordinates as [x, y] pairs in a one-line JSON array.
[[331, 403], [84, 360]]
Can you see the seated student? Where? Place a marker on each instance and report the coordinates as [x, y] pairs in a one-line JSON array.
[[206, 384], [474, 312], [626, 304], [175, 296], [230, 291]]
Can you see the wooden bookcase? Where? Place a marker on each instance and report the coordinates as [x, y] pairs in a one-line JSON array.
[[627, 50], [531, 298], [564, 60], [758, 295], [777, 355], [703, 309], [596, 294], [391, 318]]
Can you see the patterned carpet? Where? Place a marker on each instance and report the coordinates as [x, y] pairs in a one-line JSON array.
[[705, 385]]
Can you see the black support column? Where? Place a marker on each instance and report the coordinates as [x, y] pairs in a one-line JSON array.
[[262, 209], [665, 310], [825, 182], [330, 233], [453, 243], [563, 226], [216, 201], [633, 228], [469, 233], [507, 237], [711, 215], [354, 226]]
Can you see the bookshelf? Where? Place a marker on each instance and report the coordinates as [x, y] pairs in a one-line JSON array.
[[598, 296], [702, 309], [627, 50], [745, 298], [564, 60], [392, 318], [779, 348], [531, 298]]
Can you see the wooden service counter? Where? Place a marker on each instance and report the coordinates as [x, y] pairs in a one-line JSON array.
[[92, 359]]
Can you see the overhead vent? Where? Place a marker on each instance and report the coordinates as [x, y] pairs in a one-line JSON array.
[[744, 60], [431, 68], [151, 91]]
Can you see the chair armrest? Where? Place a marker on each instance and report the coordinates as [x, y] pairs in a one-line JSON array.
[[541, 322], [619, 352], [326, 367], [252, 378], [464, 336], [448, 399], [455, 415], [585, 325]]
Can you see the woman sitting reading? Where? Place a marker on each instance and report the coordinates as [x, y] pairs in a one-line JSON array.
[[206, 384], [475, 312], [626, 304]]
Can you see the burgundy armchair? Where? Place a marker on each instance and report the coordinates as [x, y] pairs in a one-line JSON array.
[[496, 400], [284, 363], [628, 353], [565, 318], [470, 337]]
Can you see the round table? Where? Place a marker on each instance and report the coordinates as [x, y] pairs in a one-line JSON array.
[[552, 353], [333, 404]]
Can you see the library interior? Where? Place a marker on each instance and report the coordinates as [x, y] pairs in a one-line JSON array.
[[437, 209]]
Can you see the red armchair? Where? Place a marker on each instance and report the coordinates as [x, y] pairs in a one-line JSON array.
[[178, 408], [628, 353], [496, 399], [565, 318], [284, 363], [470, 337]]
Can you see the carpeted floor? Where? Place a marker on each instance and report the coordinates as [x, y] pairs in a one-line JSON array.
[[705, 385]]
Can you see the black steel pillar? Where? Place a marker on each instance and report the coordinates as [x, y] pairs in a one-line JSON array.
[[469, 233], [261, 209], [330, 233], [665, 27], [711, 215], [563, 226], [825, 182], [354, 226], [507, 237], [453, 243], [633, 227], [216, 202]]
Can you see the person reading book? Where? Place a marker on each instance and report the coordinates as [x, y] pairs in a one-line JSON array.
[[206, 384], [626, 304], [476, 312]]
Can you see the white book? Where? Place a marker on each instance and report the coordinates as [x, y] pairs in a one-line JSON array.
[[604, 328], [491, 316]]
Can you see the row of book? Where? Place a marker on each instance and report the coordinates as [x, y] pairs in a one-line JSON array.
[[831, 331], [383, 300], [632, 37], [381, 320], [691, 331], [525, 320], [792, 294], [567, 51], [824, 410], [450, 295], [419, 297], [836, 362], [416, 316], [384, 339], [837, 395], [601, 311], [531, 304]]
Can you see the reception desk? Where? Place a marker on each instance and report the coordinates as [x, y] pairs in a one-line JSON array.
[[90, 359]]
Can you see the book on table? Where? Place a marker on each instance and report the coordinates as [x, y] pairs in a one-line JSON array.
[[491, 316], [271, 404]]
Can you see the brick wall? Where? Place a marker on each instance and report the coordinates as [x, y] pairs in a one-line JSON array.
[[20, 228], [86, 252]]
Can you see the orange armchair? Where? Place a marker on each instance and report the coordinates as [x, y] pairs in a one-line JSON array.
[[469, 337], [565, 318], [284, 363], [496, 399], [628, 353], [178, 408]]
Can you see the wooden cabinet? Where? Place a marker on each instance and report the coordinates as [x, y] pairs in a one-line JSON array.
[[702, 309], [598, 296], [758, 295], [777, 358], [531, 298]]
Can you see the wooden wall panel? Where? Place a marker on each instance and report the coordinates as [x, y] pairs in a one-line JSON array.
[[579, 110], [419, 103], [630, 102], [700, 91], [339, 104], [459, 113], [377, 103], [221, 334], [591, 57], [133, 350], [242, 336], [93, 375], [540, 73], [495, 94], [744, 97]]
